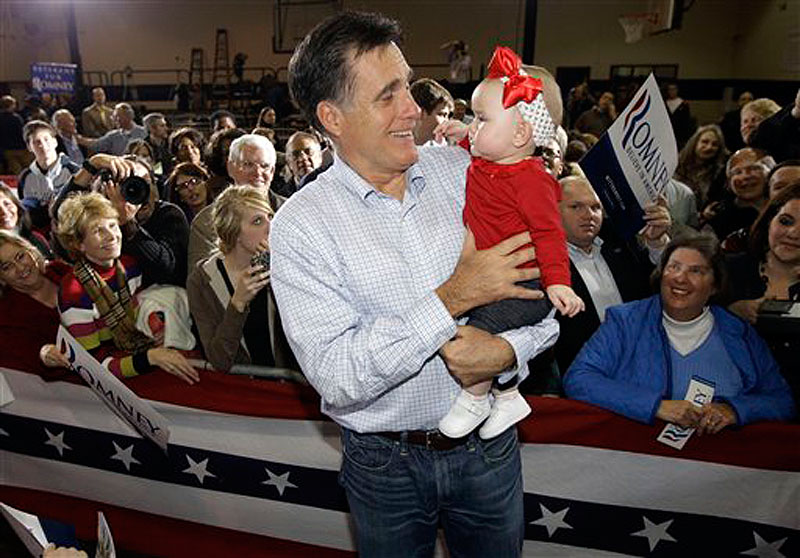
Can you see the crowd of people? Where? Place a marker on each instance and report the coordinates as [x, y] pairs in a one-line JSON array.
[[345, 255]]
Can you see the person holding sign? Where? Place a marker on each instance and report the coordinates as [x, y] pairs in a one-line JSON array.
[[642, 359], [510, 191], [96, 300]]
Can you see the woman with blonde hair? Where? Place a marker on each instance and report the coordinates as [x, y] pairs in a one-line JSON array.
[[96, 299], [701, 164], [29, 302], [229, 294]]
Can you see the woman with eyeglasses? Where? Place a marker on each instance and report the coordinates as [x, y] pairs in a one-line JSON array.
[[642, 359], [187, 187]]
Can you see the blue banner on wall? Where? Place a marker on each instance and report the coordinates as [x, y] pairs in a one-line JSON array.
[[50, 77]]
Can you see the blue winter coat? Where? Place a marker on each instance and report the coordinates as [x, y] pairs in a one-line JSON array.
[[625, 367]]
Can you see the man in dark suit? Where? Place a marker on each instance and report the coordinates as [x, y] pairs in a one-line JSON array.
[[605, 270]]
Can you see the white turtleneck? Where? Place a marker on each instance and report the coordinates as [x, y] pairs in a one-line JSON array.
[[685, 337]]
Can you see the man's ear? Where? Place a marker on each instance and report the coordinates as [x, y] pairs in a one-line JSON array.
[[522, 132], [331, 117]]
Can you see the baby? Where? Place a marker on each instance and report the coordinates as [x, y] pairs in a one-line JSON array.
[[509, 191]]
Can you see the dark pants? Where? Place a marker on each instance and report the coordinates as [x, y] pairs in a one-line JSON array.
[[511, 313], [400, 494]]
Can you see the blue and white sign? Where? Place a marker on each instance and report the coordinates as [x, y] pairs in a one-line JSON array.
[[50, 77], [128, 406], [631, 164]]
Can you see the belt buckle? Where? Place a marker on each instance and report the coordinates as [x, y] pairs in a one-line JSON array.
[[430, 436]]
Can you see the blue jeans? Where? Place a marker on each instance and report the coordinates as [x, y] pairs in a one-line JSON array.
[[400, 493]]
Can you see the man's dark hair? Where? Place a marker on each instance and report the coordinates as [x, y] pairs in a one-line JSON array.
[[216, 155], [220, 114], [320, 68], [708, 246], [429, 94], [783, 165], [34, 126]]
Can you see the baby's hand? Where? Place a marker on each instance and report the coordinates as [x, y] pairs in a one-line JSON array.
[[565, 300], [452, 130]]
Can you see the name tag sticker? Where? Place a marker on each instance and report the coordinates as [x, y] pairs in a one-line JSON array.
[[699, 393]]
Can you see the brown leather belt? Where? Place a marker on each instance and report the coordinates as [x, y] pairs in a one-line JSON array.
[[429, 439]]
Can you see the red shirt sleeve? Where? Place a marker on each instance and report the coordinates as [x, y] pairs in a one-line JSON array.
[[538, 202]]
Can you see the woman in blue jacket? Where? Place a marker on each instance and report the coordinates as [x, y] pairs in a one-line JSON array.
[[641, 360]]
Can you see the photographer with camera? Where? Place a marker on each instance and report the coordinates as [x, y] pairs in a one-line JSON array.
[[155, 232], [229, 294]]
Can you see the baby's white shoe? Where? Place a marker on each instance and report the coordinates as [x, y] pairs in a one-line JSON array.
[[509, 408], [467, 412]]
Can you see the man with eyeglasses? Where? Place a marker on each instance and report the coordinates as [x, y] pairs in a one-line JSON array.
[[251, 161], [747, 171], [303, 155]]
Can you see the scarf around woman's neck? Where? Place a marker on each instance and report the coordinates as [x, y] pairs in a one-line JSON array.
[[116, 309]]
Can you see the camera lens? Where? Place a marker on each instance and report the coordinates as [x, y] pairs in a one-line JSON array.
[[135, 190]]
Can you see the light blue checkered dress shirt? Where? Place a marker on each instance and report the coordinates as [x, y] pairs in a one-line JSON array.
[[354, 273]]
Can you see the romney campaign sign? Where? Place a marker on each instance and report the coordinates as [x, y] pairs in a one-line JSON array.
[[631, 164], [49, 77]]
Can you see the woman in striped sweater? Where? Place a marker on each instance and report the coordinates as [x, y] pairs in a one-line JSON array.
[[96, 300]]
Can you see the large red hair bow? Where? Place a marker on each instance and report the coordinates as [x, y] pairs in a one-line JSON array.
[[517, 87]]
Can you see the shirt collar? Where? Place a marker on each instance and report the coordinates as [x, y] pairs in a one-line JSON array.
[[415, 180], [597, 243]]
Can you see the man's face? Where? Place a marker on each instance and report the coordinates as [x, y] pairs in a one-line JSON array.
[[376, 132], [782, 178], [459, 110], [65, 124], [159, 129], [581, 213], [224, 123], [121, 118], [43, 146], [303, 155], [747, 176], [749, 121], [605, 101], [423, 132], [98, 95], [255, 167]]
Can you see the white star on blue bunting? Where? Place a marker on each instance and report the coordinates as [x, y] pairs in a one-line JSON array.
[[124, 455], [552, 521], [198, 469], [655, 533], [281, 482], [763, 549], [57, 441]]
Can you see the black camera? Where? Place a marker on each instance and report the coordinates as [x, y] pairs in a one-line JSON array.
[[134, 189], [260, 260]]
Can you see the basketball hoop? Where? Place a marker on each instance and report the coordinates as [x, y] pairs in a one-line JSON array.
[[637, 26]]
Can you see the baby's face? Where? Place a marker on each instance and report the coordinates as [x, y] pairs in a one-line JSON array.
[[493, 131]]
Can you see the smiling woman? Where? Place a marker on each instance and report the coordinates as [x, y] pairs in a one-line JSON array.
[[29, 288], [96, 300], [641, 360]]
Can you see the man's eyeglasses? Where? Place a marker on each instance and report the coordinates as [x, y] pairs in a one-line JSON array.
[[251, 166], [192, 182]]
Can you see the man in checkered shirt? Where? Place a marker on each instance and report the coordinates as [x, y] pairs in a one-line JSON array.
[[371, 270]]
